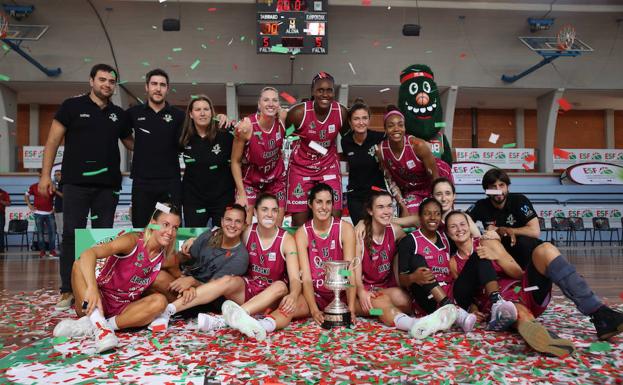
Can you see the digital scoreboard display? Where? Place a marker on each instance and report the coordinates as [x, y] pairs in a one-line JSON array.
[[292, 26]]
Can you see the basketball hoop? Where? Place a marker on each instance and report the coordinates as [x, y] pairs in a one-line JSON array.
[[4, 25], [566, 37]]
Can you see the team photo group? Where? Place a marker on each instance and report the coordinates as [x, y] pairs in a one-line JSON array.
[[393, 247]]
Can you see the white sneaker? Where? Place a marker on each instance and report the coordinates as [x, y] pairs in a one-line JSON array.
[[237, 318], [105, 339], [74, 328], [442, 319], [465, 320], [160, 324], [503, 315], [65, 302], [206, 322]]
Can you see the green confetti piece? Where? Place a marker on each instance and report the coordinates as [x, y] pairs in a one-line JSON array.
[[294, 138], [88, 60], [378, 312], [200, 29], [156, 343], [195, 64], [213, 167], [177, 49], [169, 57], [93, 217], [145, 63], [96, 172], [59, 340], [189, 160], [200, 211], [193, 97], [440, 124], [278, 48], [6, 47], [242, 38], [290, 130], [345, 273], [153, 226], [4, 78], [122, 82], [509, 145], [323, 339], [517, 289], [600, 347], [204, 46]]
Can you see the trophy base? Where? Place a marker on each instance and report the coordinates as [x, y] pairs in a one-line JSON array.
[[336, 320]]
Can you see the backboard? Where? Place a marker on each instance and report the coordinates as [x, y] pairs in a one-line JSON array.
[[25, 32], [549, 46]]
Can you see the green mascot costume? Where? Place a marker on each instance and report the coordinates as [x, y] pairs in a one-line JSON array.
[[419, 102]]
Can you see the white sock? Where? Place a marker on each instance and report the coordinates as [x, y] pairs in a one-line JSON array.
[[97, 317], [112, 323], [403, 321], [170, 310], [269, 324]]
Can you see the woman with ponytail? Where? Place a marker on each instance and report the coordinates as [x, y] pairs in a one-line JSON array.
[[112, 299]]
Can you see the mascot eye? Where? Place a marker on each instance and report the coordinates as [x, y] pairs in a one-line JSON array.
[[413, 88], [426, 87]]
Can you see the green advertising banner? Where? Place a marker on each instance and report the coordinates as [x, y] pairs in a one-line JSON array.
[[86, 238]]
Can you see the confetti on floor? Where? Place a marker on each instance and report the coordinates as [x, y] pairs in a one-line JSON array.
[[303, 353]]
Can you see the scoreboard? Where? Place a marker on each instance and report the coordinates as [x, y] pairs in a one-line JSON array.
[[292, 26]]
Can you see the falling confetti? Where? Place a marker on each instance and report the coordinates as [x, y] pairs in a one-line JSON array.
[[8, 119], [384, 90], [352, 68], [509, 145], [564, 104], [493, 138], [561, 153], [4, 78], [178, 49], [195, 64], [287, 97]]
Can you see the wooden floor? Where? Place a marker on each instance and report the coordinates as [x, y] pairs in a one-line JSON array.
[[602, 266]]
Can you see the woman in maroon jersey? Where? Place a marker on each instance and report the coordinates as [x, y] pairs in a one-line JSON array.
[[314, 159], [408, 161], [256, 156]]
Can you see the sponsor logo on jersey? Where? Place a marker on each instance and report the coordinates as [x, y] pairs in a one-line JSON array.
[[526, 210], [216, 149], [272, 257], [167, 118], [85, 115], [298, 191], [510, 220], [113, 117]]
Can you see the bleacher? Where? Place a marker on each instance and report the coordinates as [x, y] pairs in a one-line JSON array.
[[545, 191]]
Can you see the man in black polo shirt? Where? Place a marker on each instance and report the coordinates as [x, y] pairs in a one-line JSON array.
[[91, 126], [155, 166], [514, 219]]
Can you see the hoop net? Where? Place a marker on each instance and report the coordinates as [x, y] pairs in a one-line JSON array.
[[566, 37], [4, 25]]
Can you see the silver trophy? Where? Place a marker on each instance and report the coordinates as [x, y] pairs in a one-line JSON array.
[[336, 314]]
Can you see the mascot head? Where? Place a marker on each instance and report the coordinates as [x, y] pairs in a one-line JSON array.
[[418, 100]]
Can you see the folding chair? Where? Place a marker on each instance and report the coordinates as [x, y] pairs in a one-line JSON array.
[[544, 229], [560, 224], [576, 224], [17, 227], [602, 224]]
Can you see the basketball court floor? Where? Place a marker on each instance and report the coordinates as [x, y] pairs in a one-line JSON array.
[[303, 353]]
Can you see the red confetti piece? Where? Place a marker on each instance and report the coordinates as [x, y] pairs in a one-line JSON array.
[[561, 153], [235, 66], [564, 104], [287, 97], [158, 328], [526, 166], [463, 55], [366, 3], [212, 9], [530, 158]]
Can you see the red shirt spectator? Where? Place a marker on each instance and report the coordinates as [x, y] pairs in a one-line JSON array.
[[44, 204], [5, 200]]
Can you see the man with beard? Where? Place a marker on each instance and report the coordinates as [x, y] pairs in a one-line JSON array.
[[155, 166], [514, 219], [91, 126]]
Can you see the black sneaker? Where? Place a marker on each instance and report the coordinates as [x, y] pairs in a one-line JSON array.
[[608, 322], [544, 341]]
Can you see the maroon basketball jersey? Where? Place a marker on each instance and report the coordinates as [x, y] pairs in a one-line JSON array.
[[322, 249], [376, 264], [262, 160], [438, 259], [266, 265], [322, 133], [124, 278], [407, 171]]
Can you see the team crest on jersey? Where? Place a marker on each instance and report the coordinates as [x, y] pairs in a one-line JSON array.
[[167, 118], [113, 117], [146, 270], [331, 128], [298, 191], [322, 134], [253, 246], [261, 259], [140, 256], [216, 149], [271, 143], [272, 257], [312, 125], [440, 259], [510, 220], [313, 243], [371, 151], [280, 196], [384, 255], [410, 164], [333, 244], [426, 250], [325, 252]]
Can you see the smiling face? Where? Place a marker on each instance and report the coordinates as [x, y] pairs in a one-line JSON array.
[[157, 88], [382, 210], [322, 205], [267, 212], [395, 128], [430, 217], [457, 228], [167, 231], [201, 113], [232, 223], [443, 193], [103, 84], [268, 104], [360, 121], [418, 99], [323, 93]]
